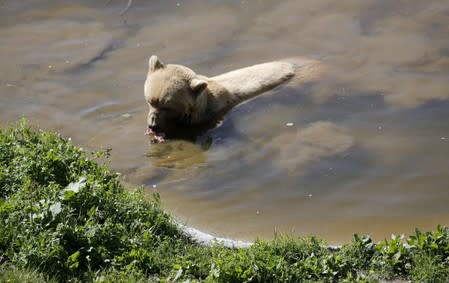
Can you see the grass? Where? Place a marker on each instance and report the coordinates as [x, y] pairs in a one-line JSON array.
[[13, 274], [66, 217]]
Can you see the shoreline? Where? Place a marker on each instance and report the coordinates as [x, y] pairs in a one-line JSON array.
[[64, 216], [208, 239]]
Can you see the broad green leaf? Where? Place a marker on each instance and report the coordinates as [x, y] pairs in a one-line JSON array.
[[91, 211], [73, 188], [76, 186], [55, 209], [73, 257]]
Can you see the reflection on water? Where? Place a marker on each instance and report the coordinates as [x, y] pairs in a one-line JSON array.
[[176, 154], [364, 150]]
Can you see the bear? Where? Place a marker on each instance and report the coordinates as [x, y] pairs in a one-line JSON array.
[[183, 104]]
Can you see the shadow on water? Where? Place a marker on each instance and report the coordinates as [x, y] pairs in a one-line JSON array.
[[189, 147]]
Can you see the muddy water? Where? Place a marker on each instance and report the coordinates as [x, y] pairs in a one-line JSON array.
[[364, 150]]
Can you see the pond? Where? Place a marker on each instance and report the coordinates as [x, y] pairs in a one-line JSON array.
[[365, 150]]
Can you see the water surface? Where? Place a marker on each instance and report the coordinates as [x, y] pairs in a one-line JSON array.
[[365, 150]]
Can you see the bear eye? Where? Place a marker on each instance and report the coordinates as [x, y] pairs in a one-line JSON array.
[[154, 103]]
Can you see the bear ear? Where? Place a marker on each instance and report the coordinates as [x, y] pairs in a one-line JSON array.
[[198, 86], [155, 64]]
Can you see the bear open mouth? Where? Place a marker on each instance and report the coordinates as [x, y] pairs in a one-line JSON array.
[[158, 137]]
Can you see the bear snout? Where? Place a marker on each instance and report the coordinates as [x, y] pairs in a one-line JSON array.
[[153, 121]]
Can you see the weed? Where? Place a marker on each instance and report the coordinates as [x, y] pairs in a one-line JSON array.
[[65, 217]]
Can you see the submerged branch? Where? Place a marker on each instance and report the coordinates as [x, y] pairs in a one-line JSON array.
[[130, 2], [128, 6]]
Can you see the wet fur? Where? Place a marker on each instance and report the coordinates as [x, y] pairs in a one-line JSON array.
[[181, 101]]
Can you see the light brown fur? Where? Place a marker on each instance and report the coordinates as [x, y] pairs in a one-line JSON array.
[[180, 98]]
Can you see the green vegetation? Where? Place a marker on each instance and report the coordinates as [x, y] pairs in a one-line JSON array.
[[65, 217]]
